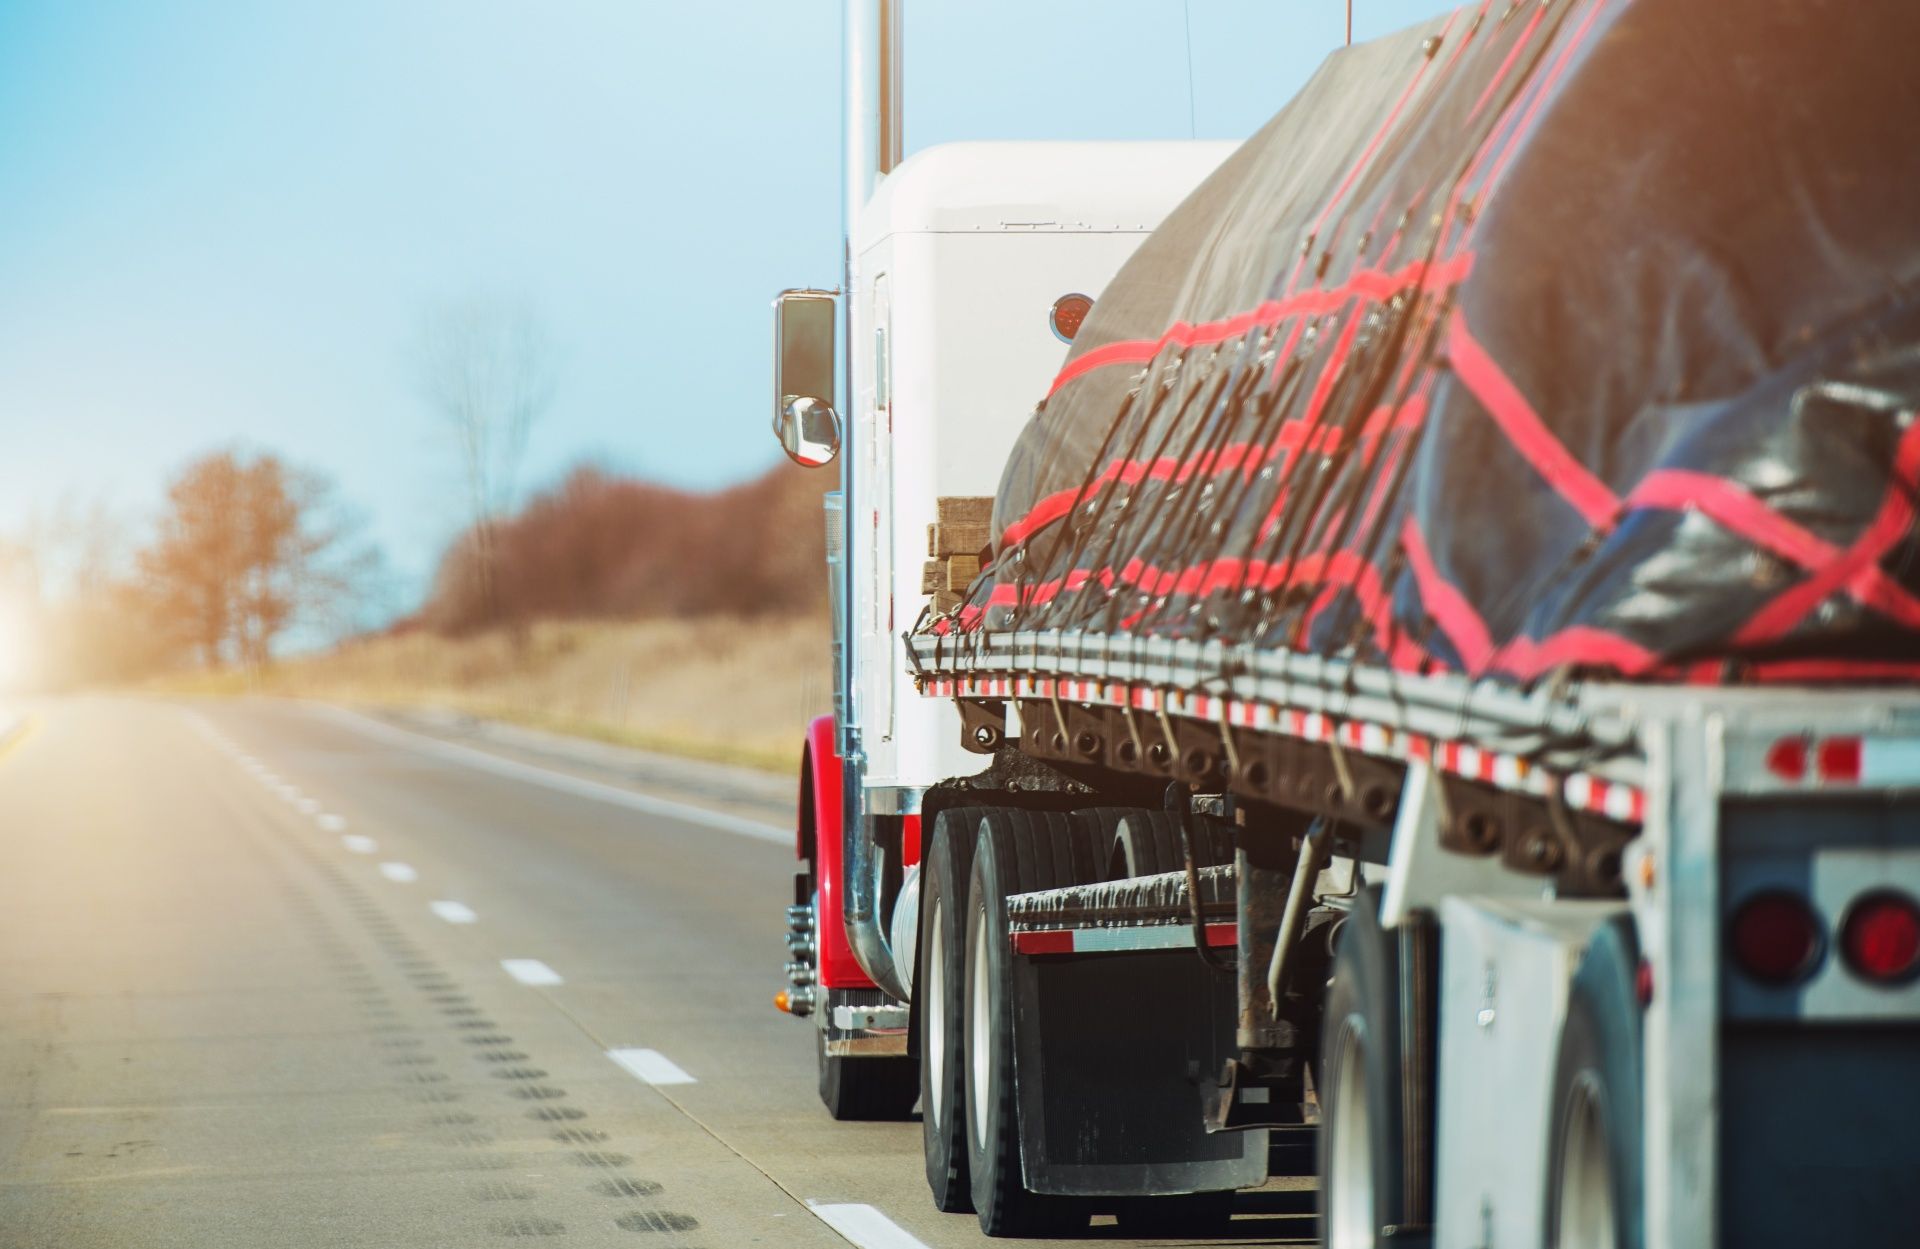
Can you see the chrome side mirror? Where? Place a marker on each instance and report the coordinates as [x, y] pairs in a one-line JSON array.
[[804, 419]]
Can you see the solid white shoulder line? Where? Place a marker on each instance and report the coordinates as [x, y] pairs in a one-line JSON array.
[[530, 971], [562, 781], [865, 1226], [453, 912], [651, 1066]]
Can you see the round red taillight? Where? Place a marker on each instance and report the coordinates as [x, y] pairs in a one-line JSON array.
[[1880, 938], [1775, 938], [1067, 315]]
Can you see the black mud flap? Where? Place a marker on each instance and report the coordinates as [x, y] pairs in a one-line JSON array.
[[1112, 1053]]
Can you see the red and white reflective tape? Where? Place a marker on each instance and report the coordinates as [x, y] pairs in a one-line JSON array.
[[1581, 791], [1112, 940], [1609, 798]]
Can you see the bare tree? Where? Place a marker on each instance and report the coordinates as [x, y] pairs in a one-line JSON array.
[[487, 371]]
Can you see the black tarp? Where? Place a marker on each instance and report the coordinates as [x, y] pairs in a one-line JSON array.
[[1579, 335]]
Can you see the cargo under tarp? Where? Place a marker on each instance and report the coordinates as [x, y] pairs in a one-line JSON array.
[[1574, 336]]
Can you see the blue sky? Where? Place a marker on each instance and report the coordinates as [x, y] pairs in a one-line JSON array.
[[222, 221]]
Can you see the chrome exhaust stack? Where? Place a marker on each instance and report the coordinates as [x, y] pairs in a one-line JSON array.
[[874, 145], [873, 135]]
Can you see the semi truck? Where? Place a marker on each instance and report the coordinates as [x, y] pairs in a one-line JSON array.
[[1386, 652]]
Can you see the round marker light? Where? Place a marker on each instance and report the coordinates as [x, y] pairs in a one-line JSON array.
[[1775, 938], [1068, 314], [1880, 938]]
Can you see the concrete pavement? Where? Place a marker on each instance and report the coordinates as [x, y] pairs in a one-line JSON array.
[[270, 974]]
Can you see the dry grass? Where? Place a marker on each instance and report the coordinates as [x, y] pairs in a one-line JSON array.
[[720, 688]]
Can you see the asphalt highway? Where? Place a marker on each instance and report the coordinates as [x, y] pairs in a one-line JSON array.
[[282, 975]]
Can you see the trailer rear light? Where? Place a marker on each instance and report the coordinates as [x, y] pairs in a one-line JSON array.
[[1775, 938], [1069, 312], [1787, 759], [1880, 937], [1831, 760], [1838, 759]]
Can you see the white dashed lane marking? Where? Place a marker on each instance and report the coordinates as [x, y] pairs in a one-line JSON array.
[[399, 873], [330, 823], [651, 1066], [453, 912], [358, 844], [309, 806], [864, 1226], [530, 971]]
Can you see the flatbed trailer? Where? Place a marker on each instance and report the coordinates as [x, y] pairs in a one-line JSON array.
[[1432, 701], [1654, 812]]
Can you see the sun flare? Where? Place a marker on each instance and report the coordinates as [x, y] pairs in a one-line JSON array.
[[17, 643]]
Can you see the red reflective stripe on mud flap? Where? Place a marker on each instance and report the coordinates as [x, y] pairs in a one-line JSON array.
[[1053, 941]]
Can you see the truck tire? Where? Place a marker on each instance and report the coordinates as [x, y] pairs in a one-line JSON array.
[[1138, 841], [1017, 852], [1362, 1120], [947, 862], [1594, 1170], [866, 1088], [856, 1089]]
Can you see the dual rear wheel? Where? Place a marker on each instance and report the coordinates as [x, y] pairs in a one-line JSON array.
[[970, 1105], [970, 1126]]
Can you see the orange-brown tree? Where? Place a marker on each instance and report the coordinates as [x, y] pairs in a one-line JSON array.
[[244, 550]]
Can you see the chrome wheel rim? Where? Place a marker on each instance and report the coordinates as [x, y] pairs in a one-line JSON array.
[[979, 1055], [1585, 1180], [936, 1012], [1349, 1197]]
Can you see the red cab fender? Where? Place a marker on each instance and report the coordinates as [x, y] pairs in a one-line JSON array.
[[819, 839]]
